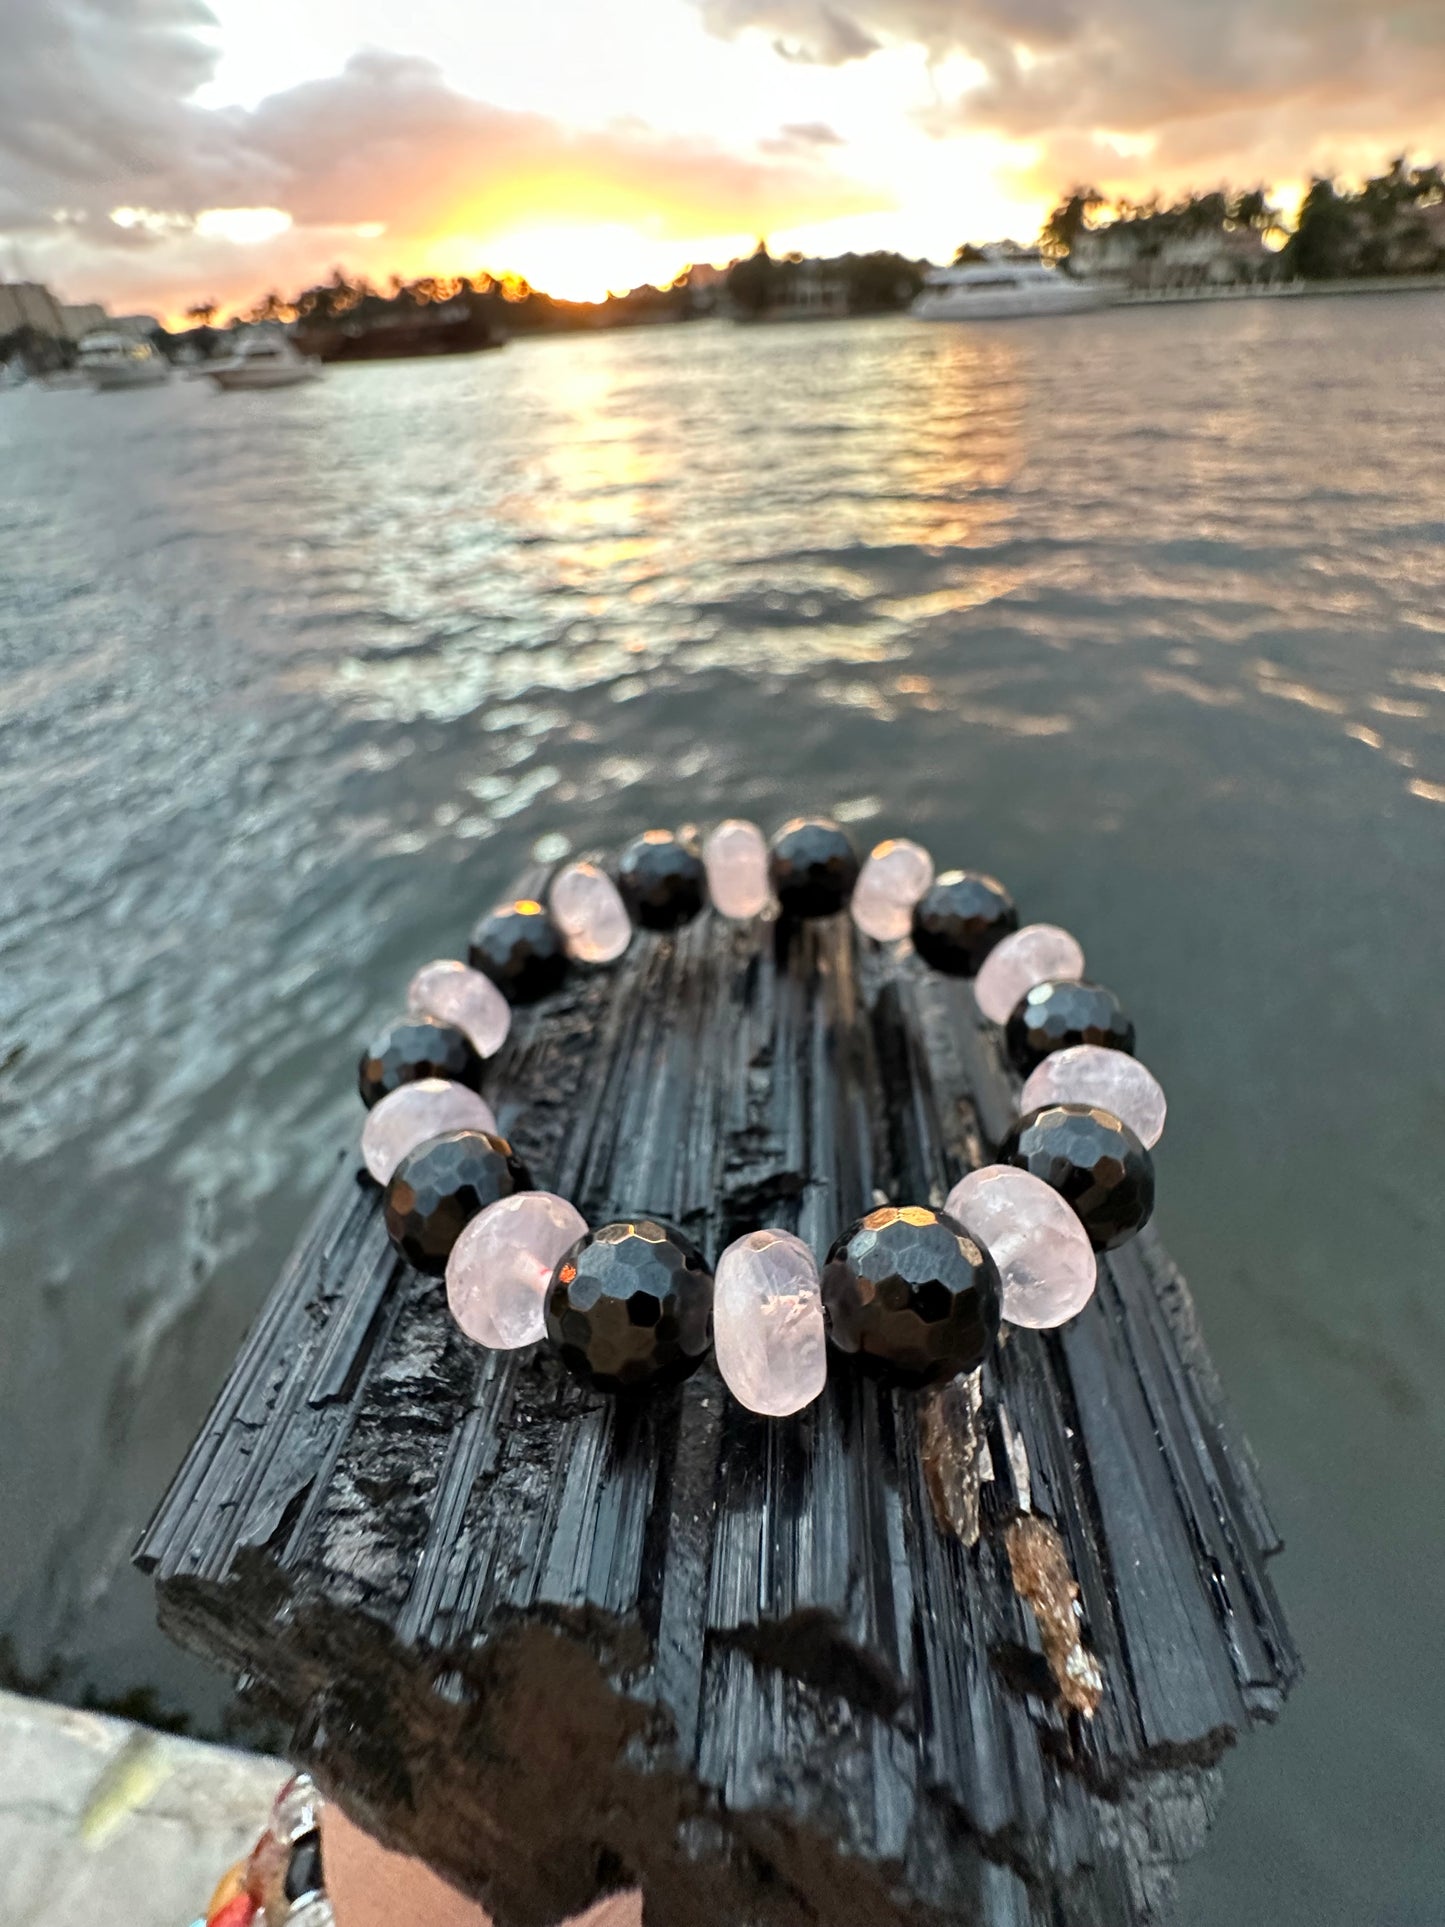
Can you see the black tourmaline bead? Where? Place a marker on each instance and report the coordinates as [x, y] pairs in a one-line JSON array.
[[303, 1870], [520, 948], [1052, 1016], [911, 1294], [1093, 1161], [959, 919], [630, 1307], [441, 1186], [813, 867], [416, 1047], [662, 880]]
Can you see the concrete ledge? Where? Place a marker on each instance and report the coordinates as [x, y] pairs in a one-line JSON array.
[[104, 1821]]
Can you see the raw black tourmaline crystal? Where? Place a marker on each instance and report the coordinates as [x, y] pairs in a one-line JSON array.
[[959, 919], [662, 880], [416, 1047], [813, 867], [520, 948], [441, 1186], [1093, 1161], [631, 1306], [1052, 1016], [910, 1293]]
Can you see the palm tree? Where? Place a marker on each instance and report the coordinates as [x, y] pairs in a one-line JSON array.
[[1069, 220], [203, 313]]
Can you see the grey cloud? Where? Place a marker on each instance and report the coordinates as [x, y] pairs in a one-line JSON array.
[[801, 137]]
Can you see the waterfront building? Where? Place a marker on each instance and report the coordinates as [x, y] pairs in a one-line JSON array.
[[30, 304], [1160, 252]]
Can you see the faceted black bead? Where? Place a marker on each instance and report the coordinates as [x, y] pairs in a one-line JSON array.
[[630, 1306], [959, 919], [520, 948], [662, 880], [813, 866], [303, 1870], [441, 1186], [1093, 1161], [416, 1047], [911, 1294], [1052, 1016]]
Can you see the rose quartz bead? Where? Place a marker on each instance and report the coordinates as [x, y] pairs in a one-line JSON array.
[[501, 1265], [1042, 1251], [414, 1113], [1110, 1079], [891, 881], [767, 1318], [462, 996], [587, 908], [1037, 954], [735, 856]]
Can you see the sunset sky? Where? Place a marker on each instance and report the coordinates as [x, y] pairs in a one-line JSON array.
[[153, 152]]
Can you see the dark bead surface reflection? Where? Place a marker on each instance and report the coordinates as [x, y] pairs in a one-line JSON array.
[[1052, 1016], [959, 919], [813, 867], [911, 1294], [662, 880], [412, 1048], [303, 1871], [1092, 1161], [630, 1306], [520, 949], [441, 1186]]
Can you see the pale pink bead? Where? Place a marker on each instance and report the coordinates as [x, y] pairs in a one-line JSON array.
[[890, 883], [768, 1331], [735, 857], [462, 996], [1042, 1252], [409, 1115], [587, 908], [501, 1265], [1039, 953], [1090, 1074]]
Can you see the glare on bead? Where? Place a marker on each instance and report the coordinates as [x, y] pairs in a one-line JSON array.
[[735, 856], [1093, 1074]]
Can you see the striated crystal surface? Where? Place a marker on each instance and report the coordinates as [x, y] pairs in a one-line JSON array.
[[413, 1048], [501, 1265], [409, 1116], [1054, 1016], [520, 948], [959, 919], [662, 880], [630, 1306], [768, 1329], [1094, 1162], [735, 856], [588, 909], [813, 867], [459, 995], [1034, 955], [911, 1295], [1043, 1254], [1090, 1074], [894, 876], [441, 1187]]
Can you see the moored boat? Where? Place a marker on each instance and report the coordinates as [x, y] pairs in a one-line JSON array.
[[264, 361], [109, 359], [1005, 288]]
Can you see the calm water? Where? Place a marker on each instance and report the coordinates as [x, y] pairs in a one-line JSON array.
[[1146, 613]]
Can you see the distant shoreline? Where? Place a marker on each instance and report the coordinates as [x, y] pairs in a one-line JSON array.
[[1281, 290]]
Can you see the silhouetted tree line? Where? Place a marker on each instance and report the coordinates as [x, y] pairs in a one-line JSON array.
[[853, 284], [1386, 226]]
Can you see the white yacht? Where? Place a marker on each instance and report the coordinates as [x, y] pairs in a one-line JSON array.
[[264, 361], [1000, 289], [112, 360]]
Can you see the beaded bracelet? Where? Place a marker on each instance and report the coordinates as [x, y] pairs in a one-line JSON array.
[[913, 1293]]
